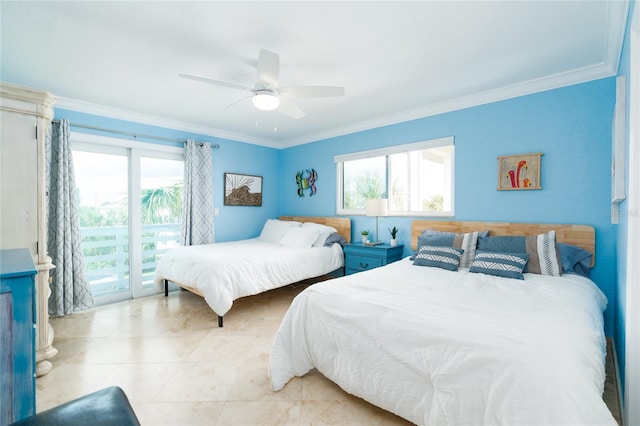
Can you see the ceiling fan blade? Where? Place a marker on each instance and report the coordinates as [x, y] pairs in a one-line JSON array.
[[216, 82], [311, 91], [289, 108], [268, 69], [231, 105]]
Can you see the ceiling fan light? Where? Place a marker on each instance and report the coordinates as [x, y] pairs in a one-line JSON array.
[[266, 100]]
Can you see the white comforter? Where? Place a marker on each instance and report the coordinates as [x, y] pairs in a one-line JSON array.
[[224, 272], [449, 348]]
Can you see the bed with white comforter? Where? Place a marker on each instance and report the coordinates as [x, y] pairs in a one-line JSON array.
[[288, 250], [224, 272], [438, 347]]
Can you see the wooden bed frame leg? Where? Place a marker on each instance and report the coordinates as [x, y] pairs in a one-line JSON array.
[[219, 321]]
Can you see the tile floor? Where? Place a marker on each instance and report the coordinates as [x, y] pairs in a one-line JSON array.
[[178, 368]]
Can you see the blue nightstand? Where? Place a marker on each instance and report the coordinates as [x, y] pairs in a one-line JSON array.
[[360, 257]]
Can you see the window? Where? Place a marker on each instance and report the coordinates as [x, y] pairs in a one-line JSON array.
[[417, 179]]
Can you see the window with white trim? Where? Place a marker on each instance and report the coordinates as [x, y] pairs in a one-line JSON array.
[[416, 178]]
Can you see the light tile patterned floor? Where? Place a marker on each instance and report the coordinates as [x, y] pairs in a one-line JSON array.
[[178, 368]]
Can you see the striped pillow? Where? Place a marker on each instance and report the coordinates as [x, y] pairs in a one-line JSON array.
[[466, 242], [439, 257], [508, 265], [544, 257]]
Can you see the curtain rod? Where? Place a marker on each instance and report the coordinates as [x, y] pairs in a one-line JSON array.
[[134, 135]]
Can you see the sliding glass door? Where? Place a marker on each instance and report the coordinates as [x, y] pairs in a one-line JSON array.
[[130, 198], [160, 211]]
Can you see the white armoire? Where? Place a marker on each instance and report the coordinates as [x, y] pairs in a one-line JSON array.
[[26, 120]]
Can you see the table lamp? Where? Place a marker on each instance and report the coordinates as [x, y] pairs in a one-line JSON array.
[[377, 207]]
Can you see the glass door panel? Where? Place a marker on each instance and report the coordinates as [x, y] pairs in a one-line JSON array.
[[160, 211], [102, 189]]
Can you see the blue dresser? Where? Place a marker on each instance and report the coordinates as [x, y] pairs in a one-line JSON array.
[[18, 335]]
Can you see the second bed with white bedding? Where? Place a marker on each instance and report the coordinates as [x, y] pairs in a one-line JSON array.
[[442, 348], [224, 272], [287, 251]]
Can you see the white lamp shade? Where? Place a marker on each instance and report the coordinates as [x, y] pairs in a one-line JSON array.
[[378, 207], [266, 100]]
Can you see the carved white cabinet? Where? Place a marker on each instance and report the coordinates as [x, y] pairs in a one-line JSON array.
[[26, 119]]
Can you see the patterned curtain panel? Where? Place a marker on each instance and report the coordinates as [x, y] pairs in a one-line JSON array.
[[69, 286], [197, 205]]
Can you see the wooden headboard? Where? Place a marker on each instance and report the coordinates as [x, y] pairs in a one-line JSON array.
[[583, 236], [342, 224]]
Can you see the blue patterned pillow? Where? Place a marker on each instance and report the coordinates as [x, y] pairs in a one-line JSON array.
[[544, 256], [509, 265], [439, 257], [466, 242]]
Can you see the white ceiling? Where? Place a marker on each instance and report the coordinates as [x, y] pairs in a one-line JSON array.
[[396, 60]]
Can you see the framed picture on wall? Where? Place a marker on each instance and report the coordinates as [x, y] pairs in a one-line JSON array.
[[242, 190], [519, 172]]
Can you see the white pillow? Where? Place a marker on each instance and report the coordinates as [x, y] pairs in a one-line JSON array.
[[325, 232], [274, 229], [300, 237]]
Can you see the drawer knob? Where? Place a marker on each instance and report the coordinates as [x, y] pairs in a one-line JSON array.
[[365, 265]]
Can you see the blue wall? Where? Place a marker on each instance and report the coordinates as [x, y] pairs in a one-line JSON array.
[[571, 126], [233, 222]]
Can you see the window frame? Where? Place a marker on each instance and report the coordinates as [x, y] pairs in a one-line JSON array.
[[386, 152]]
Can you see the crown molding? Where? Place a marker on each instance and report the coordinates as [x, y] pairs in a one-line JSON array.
[[503, 93], [120, 114], [557, 81], [617, 12]]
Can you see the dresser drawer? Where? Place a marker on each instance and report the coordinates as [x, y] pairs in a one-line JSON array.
[[358, 262]]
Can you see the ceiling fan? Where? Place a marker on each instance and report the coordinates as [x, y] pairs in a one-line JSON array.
[[267, 95]]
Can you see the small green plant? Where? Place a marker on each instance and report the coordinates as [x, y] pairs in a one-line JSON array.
[[394, 232], [364, 233]]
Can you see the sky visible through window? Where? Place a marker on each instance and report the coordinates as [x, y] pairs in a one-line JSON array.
[[103, 178]]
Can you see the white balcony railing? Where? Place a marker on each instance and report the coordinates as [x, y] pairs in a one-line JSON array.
[[106, 254]]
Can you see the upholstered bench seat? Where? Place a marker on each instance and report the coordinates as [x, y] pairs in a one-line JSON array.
[[106, 407]]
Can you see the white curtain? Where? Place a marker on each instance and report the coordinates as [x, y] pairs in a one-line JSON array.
[[69, 285], [197, 206]]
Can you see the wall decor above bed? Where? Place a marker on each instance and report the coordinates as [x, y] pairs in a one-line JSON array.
[[242, 190], [517, 172]]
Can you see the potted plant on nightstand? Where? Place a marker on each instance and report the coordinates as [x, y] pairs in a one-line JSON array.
[[365, 236], [394, 233]]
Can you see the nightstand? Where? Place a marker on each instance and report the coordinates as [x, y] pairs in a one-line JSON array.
[[359, 257]]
